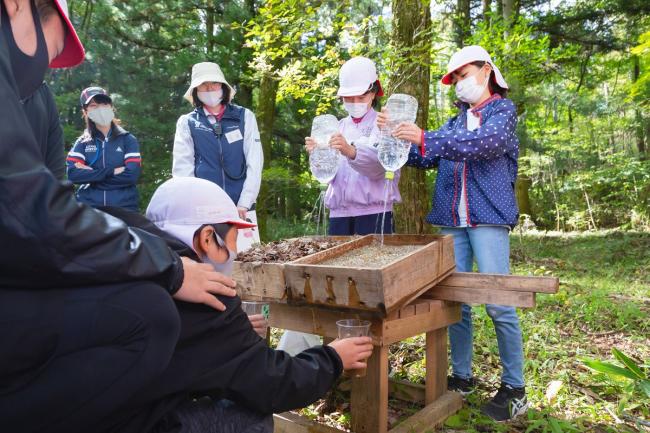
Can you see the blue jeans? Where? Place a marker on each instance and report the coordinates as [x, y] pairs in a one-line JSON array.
[[490, 246]]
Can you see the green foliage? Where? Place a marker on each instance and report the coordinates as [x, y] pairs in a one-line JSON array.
[[630, 370], [640, 90], [570, 71]]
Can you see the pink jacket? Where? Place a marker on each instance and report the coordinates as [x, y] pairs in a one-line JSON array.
[[358, 187]]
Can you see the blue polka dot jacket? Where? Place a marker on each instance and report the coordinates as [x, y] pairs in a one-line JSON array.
[[486, 158]]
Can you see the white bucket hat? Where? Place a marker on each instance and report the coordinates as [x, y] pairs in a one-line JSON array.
[[356, 76], [468, 55], [182, 205], [206, 72]]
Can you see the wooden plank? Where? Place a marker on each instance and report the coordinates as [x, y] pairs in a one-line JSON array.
[[260, 281], [317, 321], [436, 364], [330, 287], [407, 311], [405, 279], [518, 283], [369, 396], [441, 314], [432, 415], [399, 389], [288, 422], [407, 391], [472, 295], [421, 307]]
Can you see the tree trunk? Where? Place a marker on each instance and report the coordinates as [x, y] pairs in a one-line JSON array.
[[487, 10], [245, 88], [265, 119], [209, 30], [411, 27], [510, 12], [638, 117], [500, 8], [462, 22]]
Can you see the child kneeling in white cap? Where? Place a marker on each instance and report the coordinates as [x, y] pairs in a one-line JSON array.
[[226, 358]]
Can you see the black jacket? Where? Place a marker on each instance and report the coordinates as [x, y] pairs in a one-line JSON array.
[[43, 116], [47, 239]]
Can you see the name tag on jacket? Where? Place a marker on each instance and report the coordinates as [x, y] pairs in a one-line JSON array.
[[234, 135]]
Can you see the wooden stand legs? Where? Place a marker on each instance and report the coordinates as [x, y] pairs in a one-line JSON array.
[[369, 396]]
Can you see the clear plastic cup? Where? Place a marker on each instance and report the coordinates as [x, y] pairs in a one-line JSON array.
[[253, 308], [354, 328]]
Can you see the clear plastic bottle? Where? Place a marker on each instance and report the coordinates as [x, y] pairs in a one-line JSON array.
[[324, 161], [393, 153]]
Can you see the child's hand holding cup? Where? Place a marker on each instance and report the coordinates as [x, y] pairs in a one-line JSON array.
[[258, 313], [354, 351]]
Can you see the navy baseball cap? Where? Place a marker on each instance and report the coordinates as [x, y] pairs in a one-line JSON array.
[[90, 92]]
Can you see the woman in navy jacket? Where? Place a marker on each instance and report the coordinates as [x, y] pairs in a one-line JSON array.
[[105, 161], [476, 154]]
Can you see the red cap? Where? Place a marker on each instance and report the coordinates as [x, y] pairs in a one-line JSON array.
[[73, 51]]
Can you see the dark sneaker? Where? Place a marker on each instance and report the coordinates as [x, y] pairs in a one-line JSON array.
[[508, 403], [464, 386]]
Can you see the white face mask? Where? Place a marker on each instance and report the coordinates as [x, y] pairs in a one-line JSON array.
[[468, 90], [356, 109], [102, 116], [211, 98]]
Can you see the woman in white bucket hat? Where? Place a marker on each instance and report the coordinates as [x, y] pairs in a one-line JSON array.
[[218, 140], [476, 154]]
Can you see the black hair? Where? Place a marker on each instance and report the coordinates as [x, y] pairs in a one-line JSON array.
[[492, 83], [225, 99]]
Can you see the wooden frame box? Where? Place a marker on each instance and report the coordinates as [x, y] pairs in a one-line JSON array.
[[378, 290], [258, 281]]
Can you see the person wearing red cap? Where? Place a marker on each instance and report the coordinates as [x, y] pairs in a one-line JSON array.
[[92, 310], [474, 200], [37, 99]]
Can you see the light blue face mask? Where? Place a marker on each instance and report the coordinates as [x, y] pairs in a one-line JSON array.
[[224, 268]]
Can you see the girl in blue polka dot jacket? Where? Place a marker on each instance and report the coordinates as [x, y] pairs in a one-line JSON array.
[[476, 154]]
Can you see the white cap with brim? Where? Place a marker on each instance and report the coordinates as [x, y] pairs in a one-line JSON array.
[[467, 55], [356, 77], [205, 72], [182, 205]]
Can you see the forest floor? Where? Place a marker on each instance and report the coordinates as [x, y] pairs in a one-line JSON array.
[[603, 303]]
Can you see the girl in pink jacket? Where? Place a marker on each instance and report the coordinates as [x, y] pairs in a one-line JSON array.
[[355, 197]]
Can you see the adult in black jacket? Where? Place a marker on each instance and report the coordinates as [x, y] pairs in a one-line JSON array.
[[86, 311], [90, 338]]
